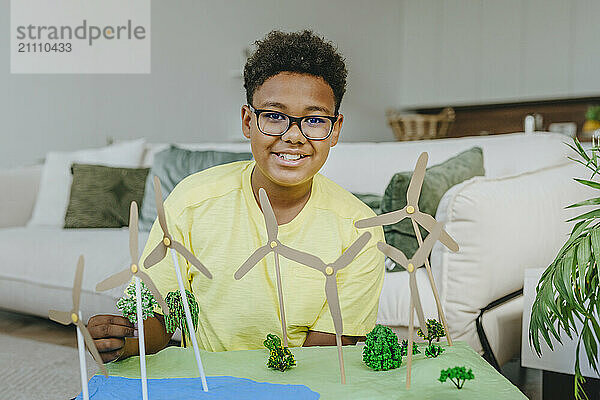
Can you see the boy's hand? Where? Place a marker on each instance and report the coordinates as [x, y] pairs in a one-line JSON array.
[[109, 333]]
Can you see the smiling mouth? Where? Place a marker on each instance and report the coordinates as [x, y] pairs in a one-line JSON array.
[[290, 157]]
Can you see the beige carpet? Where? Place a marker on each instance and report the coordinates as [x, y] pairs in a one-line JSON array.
[[34, 371]]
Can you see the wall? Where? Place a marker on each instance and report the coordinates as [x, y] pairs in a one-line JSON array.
[[470, 52], [194, 92]]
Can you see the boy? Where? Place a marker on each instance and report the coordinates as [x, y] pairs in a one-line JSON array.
[[294, 85]]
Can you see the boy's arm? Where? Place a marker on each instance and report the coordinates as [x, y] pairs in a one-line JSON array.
[[112, 336], [316, 338]]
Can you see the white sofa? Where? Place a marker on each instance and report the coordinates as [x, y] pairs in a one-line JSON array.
[[509, 220]]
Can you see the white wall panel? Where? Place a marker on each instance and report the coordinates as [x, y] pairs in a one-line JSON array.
[[585, 56], [545, 57], [500, 49], [460, 57], [194, 92], [421, 47]]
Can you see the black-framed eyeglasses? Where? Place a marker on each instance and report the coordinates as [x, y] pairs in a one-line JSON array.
[[275, 123]]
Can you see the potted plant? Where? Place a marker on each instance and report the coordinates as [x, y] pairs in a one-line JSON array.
[[592, 119], [569, 289]]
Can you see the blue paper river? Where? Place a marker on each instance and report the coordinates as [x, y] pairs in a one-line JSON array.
[[219, 387]]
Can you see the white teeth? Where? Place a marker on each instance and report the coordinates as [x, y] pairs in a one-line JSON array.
[[289, 157]]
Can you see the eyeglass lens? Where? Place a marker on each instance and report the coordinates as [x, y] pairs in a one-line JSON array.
[[274, 123]]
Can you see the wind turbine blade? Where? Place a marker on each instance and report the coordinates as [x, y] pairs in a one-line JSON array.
[[251, 261], [270, 220], [428, 222], [301, 257], [156, 255], [396, 255], [331, 292], [154, 290], [414, 292], [351, 252], [133, 233], [89, 342], [423, 251], [62, 317], [416, 181], [160, 209], [181, 249], [77, 283], [115, 280], [383, 219]]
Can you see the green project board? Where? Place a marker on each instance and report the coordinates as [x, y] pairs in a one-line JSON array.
[[317, 368]]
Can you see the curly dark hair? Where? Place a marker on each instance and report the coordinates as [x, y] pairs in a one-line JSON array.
[[302, 52]]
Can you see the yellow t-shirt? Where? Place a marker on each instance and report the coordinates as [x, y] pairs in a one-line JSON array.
[[215, 215]]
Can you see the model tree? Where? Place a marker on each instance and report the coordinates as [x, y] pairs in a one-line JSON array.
[[435, 331], [382, 351], [404, 348], [176, 318], [280, 358], [127, 303], [434, 350], [457, 375]]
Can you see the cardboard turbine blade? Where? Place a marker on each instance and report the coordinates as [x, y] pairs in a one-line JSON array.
[[73, 317], [331, 291], [416, 181], [160, 251], [411, 210], [133, 233], [76, 291], [261, 252]]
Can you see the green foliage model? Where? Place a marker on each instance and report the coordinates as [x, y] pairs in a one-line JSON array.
[[382, 351], [435, 331], [404, 348], [569, 289], [457, 375], [176, 318], [434, 350], [593, 113], [127, 303], [280, 358]]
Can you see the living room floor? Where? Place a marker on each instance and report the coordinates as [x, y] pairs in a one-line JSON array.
[[529, 381]]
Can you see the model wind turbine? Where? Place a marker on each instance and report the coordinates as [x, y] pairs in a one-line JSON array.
[[411, 267], [125, 276], [273, 245], [159, 253], [331, 291], [83, 336], [411, 210]]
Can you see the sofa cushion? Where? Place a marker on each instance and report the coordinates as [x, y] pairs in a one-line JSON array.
[[438, 179], [503, 226], [101, 196], [369, 167], [171, 166], [42, 260], [55, 184], [18, 199], [372, 200]]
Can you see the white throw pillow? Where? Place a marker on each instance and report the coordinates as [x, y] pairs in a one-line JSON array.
[[503, 226], [55, 184]]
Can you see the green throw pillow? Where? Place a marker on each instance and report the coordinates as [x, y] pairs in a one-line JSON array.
[[438, 179], [174, 164], [101, 196], [372, 200]]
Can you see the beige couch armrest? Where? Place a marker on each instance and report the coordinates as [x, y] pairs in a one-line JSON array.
[[18, 194]]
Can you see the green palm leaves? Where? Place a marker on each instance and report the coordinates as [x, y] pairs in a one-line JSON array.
[[569, 289]]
